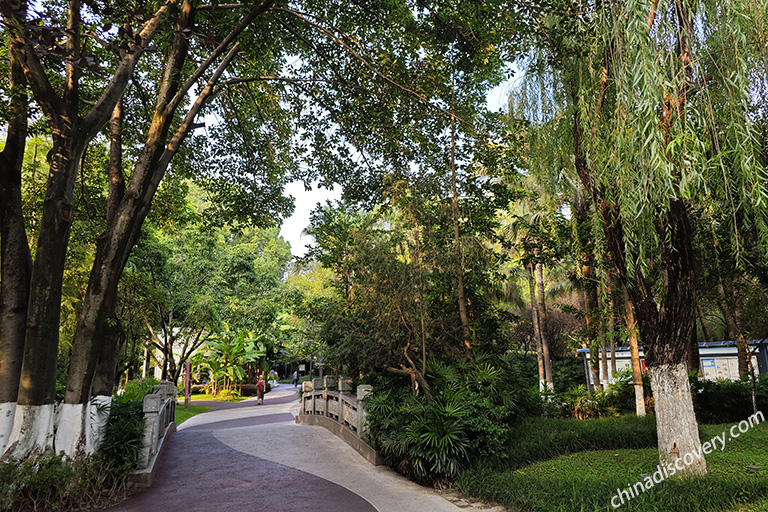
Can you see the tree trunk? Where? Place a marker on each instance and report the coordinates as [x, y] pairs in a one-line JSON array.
[[594, 364], [668, 334], [149, 170], [15, 259], [543, 326], [742, 348], [694, 361], [664, 325], [729, 304], [634, 352], [33, 421], [536, 330], [93, 326], [678, 431], [703, 322], [459, 255], [613, 323], [604, 348]]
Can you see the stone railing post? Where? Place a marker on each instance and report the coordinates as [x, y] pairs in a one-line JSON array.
[[345, 385], [152, 404], [362, 392], [329, 382]]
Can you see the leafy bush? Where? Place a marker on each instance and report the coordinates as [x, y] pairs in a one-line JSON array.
[[124, 431], [567, 371], [469, 417], [53, 483], [124, 434], [727, 401], [136, 390]]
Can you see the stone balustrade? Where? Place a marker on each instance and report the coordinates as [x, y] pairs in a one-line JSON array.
[[159, 421], [331, 404]]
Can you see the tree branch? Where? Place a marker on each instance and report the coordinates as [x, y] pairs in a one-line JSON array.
[[98, 116], [195, 76]]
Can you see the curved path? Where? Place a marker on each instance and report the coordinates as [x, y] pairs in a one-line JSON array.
[[254, 458]]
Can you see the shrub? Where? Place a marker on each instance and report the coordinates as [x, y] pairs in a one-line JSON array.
[[727, 401], [136, 390], [124, 434], [567, 371], [54, 483], [473, 408]]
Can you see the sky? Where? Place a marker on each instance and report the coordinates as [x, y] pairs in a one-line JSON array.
[[292, 227], [306, 201]]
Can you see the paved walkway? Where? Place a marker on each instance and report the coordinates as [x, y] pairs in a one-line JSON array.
[[255, 458]]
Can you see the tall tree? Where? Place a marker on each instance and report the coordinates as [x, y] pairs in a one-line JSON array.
[[15, 258], [650, 64], [71, 127]]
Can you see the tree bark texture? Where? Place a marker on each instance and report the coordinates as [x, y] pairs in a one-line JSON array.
[[15, 259], [703, 322], [603, 349], [679, 439], [729, 305], [459, 256], [594, 365]]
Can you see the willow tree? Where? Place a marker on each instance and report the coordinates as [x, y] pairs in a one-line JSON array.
[[663, 147], [660, 119]]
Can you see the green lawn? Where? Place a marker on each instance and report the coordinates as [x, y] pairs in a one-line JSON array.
[[183, 414], [587, 480], [203, 396]]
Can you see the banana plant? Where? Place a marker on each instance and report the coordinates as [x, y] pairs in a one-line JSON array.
[[227, 356]]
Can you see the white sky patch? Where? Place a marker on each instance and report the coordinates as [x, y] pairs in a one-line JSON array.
[[306, 201]]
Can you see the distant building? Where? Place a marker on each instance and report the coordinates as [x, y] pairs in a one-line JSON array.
[[719, 360]]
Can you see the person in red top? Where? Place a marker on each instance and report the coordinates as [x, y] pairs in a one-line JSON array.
[[260, 390]]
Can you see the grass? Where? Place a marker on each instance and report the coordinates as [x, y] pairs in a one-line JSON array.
[[538, 439], [203, 396], [183, 414], [587, 480]]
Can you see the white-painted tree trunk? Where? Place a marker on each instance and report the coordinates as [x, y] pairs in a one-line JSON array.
[[31, 432], [639, 400], [7, 413], [98, 422], [72, 428], [676, 424]]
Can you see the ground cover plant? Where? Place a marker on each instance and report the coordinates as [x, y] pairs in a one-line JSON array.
[[587, 480]]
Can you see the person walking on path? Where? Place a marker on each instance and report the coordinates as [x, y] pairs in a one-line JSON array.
[[260, 390], [296, 378]]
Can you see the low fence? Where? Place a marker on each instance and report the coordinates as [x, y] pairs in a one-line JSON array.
[[159, 421], [331, 404]]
